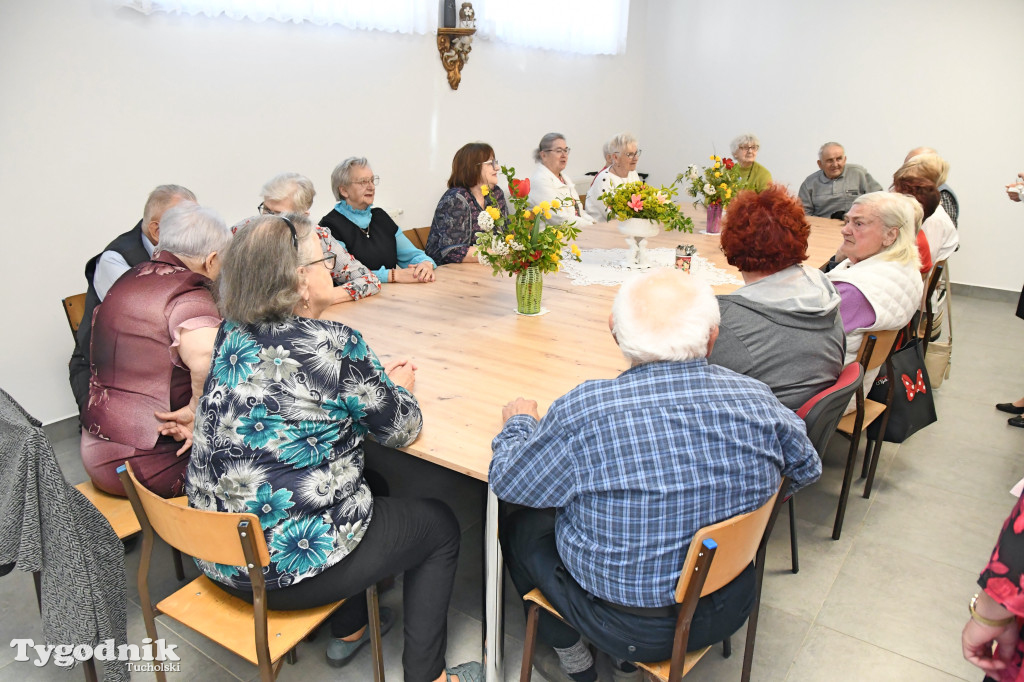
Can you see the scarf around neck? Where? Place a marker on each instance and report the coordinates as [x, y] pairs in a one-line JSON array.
[[360, 218]]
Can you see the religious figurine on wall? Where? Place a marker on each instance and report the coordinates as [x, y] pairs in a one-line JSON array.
[[467, 16]]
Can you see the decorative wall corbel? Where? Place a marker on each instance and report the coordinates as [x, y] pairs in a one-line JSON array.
[[454, 46]]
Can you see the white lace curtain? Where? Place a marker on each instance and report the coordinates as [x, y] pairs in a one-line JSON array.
[[580, 26]]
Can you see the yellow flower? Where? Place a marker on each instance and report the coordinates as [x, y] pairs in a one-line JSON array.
[[717, 165], [509, 238], [493, 212], [559, 235], [712, 157], [545, 206], [547, 214], [724, 186], [555, 203], [575, 250], [554, 257], [718, 175], [528, 215], [484, 189], [728, 193]]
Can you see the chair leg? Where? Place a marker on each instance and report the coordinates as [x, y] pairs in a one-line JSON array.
[[179, 569], [876, 453], [866, 464], [844, 495], [793, 549], [748, 650], [727, 647], [373, 608], [529, 643], [292, 657]]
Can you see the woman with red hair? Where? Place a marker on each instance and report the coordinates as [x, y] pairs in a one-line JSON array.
[[783, 326]]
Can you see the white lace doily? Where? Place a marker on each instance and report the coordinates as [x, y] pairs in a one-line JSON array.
[[608, 266]]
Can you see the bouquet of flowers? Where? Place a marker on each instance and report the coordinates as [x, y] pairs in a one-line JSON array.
[[522, 239], [715, 184], [640, 200]]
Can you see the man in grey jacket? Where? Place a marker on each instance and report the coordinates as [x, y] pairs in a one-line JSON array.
[[830, 192]]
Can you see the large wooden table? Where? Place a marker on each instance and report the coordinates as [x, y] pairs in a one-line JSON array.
[[474, 354]]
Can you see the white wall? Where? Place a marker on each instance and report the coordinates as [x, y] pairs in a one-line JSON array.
[[101, 104]]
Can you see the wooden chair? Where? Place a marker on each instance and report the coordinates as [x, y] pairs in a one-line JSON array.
[[252, 631], [418, 236], [74, 308], [822, 414], [929, 318], [876, 349], [718, 554]]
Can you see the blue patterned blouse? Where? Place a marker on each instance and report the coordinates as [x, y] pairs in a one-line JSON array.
[[454, 227], [279, 433]]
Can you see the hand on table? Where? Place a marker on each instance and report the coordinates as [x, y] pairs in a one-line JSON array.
[[401, 372], [520, 406], [421, 272], [178, 425]]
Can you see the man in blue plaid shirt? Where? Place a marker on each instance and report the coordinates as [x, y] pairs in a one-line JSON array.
[[632, 467]]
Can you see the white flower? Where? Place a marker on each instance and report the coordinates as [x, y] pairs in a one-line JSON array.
[[516, 246], [709, 189], [498, 248], [485, 221], [691, 171]]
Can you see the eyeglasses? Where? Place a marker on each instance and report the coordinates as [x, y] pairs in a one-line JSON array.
[[291, 228], [749, 147], [375, 180], [493, 163], [329, 261], [263, 210], [634, 155], [558, 150]]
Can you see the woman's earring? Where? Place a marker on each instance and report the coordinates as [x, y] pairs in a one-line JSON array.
[[305, 304]]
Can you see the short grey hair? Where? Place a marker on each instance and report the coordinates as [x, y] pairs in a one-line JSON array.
[[664, 315], [618, 144], [822, 148], [193, 231], [740, 140], [161, 197], [545, 144], [896, 212], [342, 173], [290, 186], [259, 275], [930, 166]]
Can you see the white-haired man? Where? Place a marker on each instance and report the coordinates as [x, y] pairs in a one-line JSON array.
[[830, 192], [125, 252], [632, 467]]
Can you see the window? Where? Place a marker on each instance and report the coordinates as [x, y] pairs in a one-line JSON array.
[[580, 26]]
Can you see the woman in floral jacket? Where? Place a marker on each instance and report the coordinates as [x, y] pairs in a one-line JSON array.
[[279, 430]]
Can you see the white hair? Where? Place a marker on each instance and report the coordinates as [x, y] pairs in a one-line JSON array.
[[190, 230], [664, 315], [821, 150], [619, 143], [298, 188], [342, 173], [740, 140], [896, 211]]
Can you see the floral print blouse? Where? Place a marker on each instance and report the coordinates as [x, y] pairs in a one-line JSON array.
[[1003, 579], [453, 229], [279, 433]]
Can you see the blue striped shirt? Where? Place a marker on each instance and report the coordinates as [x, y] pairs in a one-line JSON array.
[[637, 464]]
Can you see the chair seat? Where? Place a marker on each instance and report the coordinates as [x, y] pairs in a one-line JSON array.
[[660, 670], [872, 410], [209, 610], [117, 510]]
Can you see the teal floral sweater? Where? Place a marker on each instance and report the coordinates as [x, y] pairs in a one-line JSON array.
[[279, 433]]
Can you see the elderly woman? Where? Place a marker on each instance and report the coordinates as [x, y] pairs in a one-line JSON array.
[[549, 181], [293, 193], [624, 156], [783, 326], [752, 174], [454, 225], [368, 232], [151, 344], [938, 228], [927, 201], [878, 281], [287, 404]]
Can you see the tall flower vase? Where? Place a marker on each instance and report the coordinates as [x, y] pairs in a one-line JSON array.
[[714, 219], [529, 287]]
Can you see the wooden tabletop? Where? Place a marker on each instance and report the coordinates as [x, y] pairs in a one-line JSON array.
[[474, 353]]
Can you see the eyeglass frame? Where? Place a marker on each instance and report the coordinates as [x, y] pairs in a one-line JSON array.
[[558, 150], [493, 163], [373, 180], [263, 210], [333, 257], [632, 155], [748, 147]]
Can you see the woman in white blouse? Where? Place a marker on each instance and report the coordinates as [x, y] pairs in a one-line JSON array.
[[624, 156], [550, 181]]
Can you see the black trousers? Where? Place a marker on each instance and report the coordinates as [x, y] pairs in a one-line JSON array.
[[528, 541], [417, 536]]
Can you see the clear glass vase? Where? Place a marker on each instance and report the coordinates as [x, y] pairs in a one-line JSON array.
[[529, 287]]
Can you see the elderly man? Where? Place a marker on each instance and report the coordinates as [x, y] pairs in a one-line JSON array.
[[830, 192], [621, 473], [125, 252], [293, 193]]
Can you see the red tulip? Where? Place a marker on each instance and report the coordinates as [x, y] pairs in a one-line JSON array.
[[729, 163], [520, 188]]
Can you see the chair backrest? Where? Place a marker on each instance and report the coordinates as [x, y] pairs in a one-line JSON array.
[[74, 308], [206, 535], [823, 412], [880, 351], [929, 313], [418, 236], [737, 540]]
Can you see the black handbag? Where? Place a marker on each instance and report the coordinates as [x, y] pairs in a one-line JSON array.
[[913, 406]]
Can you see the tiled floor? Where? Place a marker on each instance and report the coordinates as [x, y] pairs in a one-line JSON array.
[[886, 602]]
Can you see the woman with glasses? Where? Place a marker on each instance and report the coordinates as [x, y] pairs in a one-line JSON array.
[[550, 181], [455, 219], [151, 344], [368, 232], [287, 404], [625, 154], [744, 150], [293, 193]]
